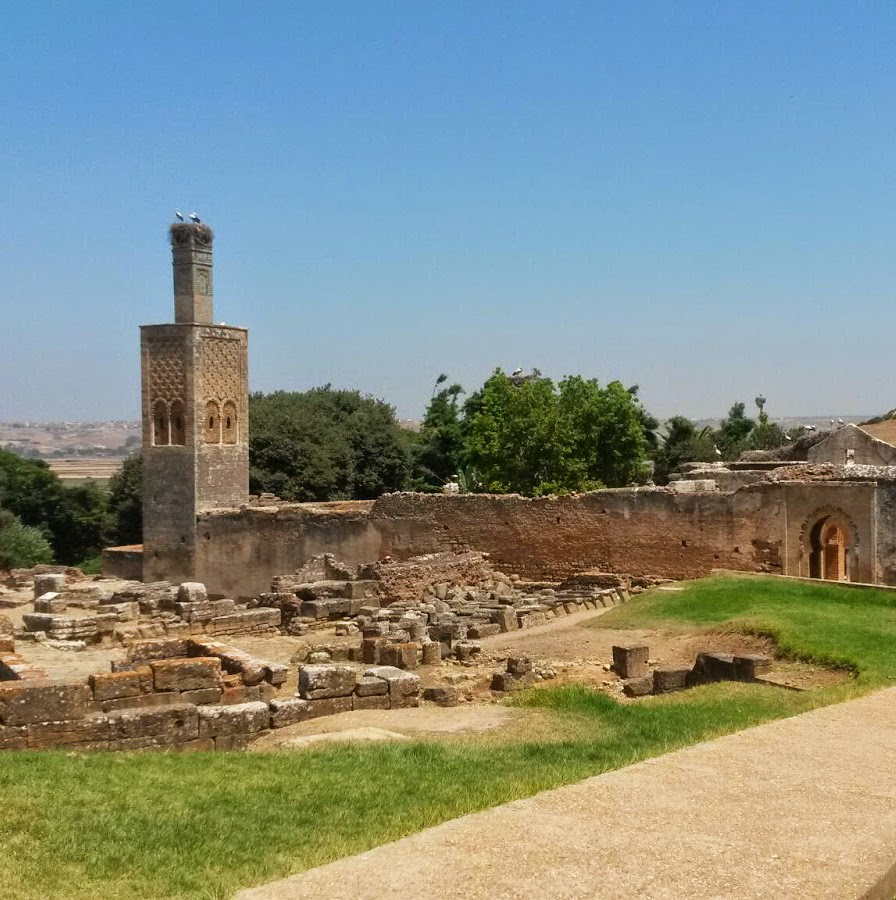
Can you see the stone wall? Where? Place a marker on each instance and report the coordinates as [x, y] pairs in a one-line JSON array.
[[866, 449], [642, 531]]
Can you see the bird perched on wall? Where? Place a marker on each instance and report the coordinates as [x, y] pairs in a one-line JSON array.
[[839, 420], [195, 219], [716, 448], [832, 423], [179, 214]]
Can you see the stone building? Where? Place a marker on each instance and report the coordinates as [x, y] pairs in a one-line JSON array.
[[195, 410], [832, 517]]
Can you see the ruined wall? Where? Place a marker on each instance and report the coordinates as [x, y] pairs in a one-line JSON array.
[[642, 531], [867, 450], [807, 503], [238, 552]]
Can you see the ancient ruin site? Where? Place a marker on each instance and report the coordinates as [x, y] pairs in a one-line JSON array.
[[499, 644]]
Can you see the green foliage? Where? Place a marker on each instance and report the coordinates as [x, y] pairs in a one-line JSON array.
[[126, 501], [325, 444], [21, 546], [734, 431], [437, 449], [533, 437], [766, 435], [682, 443], [75, 520]]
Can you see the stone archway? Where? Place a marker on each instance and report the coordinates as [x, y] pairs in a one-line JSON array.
[[829, 544]]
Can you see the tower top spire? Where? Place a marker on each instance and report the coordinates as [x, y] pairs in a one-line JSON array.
[[191, 251]]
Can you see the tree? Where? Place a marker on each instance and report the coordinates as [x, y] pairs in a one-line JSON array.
[[74, 519], [437, 450], [325, 444], [734, 431], [682, 443], [766, 435], [530, 436], [126, 501], [21, 546]]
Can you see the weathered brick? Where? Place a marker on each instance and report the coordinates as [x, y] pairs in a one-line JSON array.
[[114, 685], [322, 682], [25, 703], [168, 724], [630, 660], [376, 702], [371, 687], [91, 729], [240, 718], [670, 678], [148, 650], [192, 674]]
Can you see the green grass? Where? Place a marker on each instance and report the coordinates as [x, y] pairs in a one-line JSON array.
[[202, 825], [847, 627]]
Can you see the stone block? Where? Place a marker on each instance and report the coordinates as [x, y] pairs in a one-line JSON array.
[[401, 656], [382, 701], [467, 650], [371, 687], [91, 729], [236, 694], [316, 609], [44, 584], [239, 718], [401, 683], [288, 711], [144, 701], [404, 701], [442, 695], [13, 738], [51, 602], [432, 653], [24, 703], [711, 666], [519, 665], [506, 681], [329, 707], [147, 650], [750, 666], [188, 674], [670, 678], [323, 682], [370, 649], [192, 592], [202, 697], [276, 674], [114, 685], [630, 660], [176, 723], [638, 687], [484, 630]]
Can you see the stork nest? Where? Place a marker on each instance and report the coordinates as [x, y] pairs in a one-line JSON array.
[[189, 233]]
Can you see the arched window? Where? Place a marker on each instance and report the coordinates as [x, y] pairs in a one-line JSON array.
[[212, 423], [178, 424], [229, 427], [160, 437]]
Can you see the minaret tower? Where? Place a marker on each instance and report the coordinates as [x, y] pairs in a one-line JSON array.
[[195, 402]]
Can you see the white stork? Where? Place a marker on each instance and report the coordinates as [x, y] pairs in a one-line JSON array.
[[179, 214], [195, 219]]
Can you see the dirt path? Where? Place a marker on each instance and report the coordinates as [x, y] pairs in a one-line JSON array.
[[799, 808]]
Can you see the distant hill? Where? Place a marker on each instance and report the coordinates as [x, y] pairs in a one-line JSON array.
[[70, 440]]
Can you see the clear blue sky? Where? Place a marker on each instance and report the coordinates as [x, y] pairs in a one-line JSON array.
[[696, 197]]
